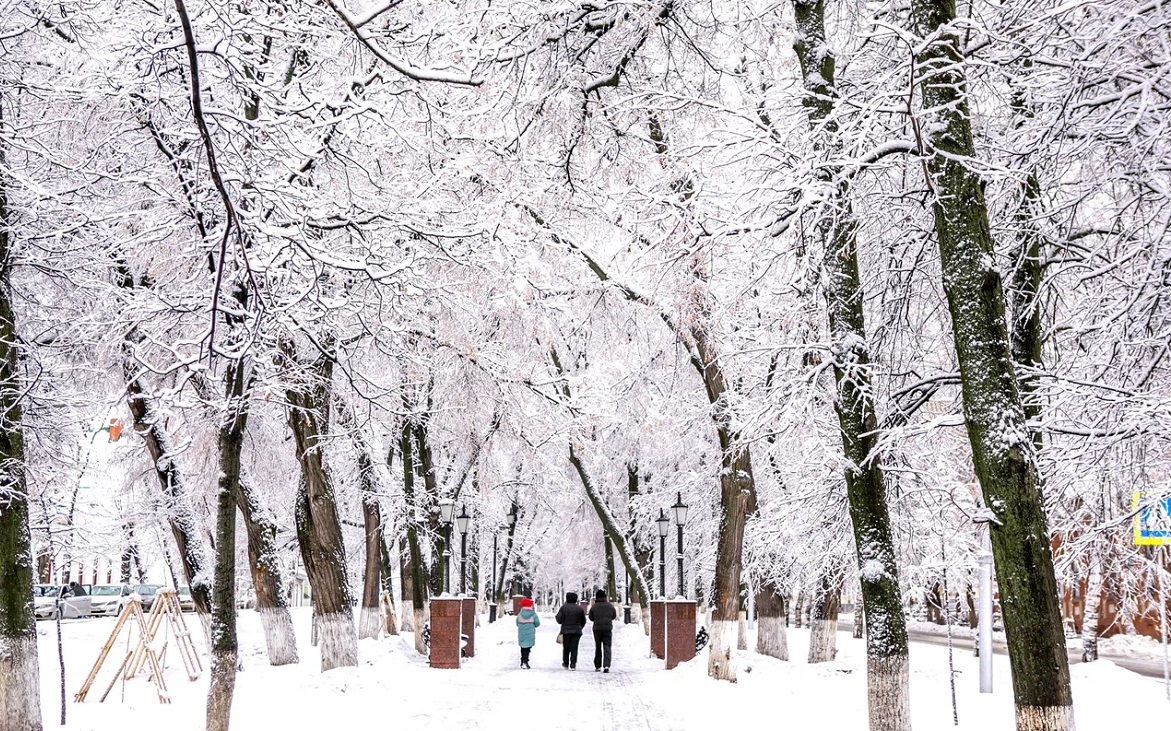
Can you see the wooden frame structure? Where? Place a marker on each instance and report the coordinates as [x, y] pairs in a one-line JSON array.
[[146, 652]]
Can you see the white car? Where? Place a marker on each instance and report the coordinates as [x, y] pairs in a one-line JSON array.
[[47, 597], [109, 599]]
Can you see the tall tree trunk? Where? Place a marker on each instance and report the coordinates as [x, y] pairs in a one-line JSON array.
[[1002, 451], [1093, 604], [823, 636], [224, 648], [406, 584], [265, 565], [887, 658], [415, 575], [389, 624], [318, 530], [370, 622], [131, 563], [771, 635], [611, 579], [431, 493], [20, 680]]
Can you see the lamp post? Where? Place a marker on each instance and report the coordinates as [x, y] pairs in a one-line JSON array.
[[664, 524], [680, 511], [446, 508], [461, 522]]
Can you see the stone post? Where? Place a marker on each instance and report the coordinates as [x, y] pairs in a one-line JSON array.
[[658, 628], [680, 631], [445, 632], [468, 620]]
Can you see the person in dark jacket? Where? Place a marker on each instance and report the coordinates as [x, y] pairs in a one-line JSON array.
[[572, 619], [602, 614], [76, 589]]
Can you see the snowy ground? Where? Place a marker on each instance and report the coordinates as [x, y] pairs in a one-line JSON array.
[[394, 685]]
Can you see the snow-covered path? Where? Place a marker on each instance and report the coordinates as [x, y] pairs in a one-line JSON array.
[[393, 686]]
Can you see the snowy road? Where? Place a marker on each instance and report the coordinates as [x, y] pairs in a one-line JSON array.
[[1141, 665], [392, 685]]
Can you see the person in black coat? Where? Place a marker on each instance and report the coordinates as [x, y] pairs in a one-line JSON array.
[[572, 619], [602, 614]]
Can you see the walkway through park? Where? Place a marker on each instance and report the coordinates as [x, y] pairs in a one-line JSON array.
[[394, 687]]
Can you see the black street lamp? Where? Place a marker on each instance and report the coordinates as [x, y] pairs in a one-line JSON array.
[[461, 522], [446, 508], [680, 511], [664, 524]]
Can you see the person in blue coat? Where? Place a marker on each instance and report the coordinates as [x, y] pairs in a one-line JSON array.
[[526, 630]]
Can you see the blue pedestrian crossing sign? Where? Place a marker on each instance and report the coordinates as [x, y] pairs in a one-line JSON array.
[[1152, 520]]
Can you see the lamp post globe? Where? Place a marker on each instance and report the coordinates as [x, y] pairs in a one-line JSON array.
[[446, 508]]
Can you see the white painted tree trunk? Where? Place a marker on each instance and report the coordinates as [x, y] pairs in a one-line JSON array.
[[278, 635], [369, 623], [419, 620], [888, 694], [772, 638], [1044, 718], [721, 663], [742, 631], [823, 640], [20, 690], [338, 642], [1090, 617]]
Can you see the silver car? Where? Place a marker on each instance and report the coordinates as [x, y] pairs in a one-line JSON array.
[[48, 597], [109, 599]]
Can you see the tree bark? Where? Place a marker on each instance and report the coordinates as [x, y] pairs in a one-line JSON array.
[[1093, 604], [406, 584], [265, 566], [318, 530], [823, 636], [888, 666], [771, 634], [1002, 451], [20, 680], [372, 524], [611, 579], [389, 624], [224, 648], [414, 575]]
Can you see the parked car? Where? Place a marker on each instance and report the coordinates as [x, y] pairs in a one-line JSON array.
[[109, 598], [147, 593], [48, 597], [186, 601]]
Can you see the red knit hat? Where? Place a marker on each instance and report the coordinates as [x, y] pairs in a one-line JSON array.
[[526, 603]]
